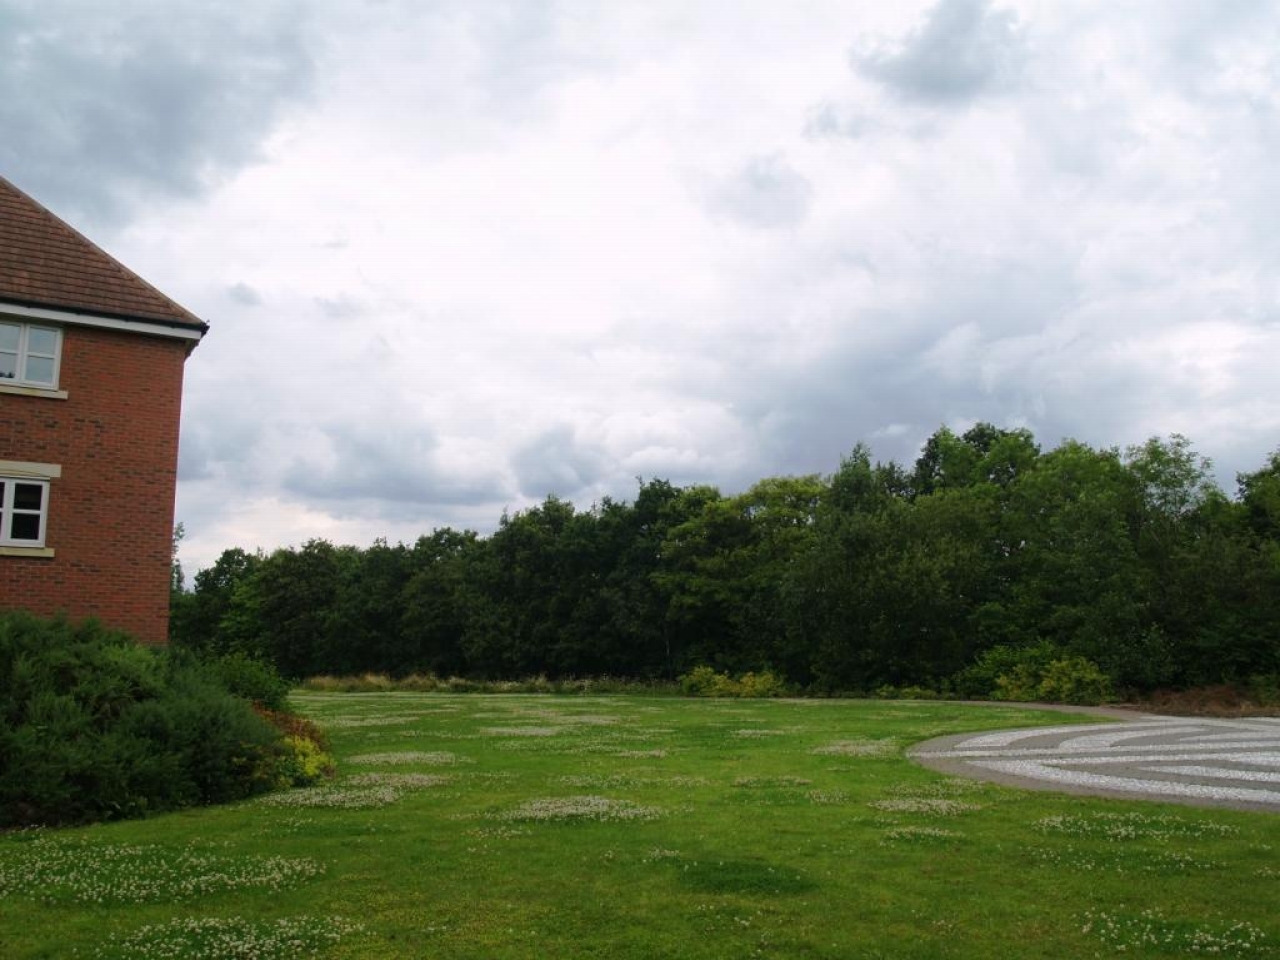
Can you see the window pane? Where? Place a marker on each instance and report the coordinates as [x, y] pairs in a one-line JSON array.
[[26, 526], [40, 369], [42, 340], [8, 365], [27, 496], [9, 336]]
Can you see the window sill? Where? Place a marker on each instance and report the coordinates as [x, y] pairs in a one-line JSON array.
[[34, 552], [33, 391]]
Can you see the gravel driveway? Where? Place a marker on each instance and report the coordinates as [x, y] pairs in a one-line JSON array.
[[1194, 760]]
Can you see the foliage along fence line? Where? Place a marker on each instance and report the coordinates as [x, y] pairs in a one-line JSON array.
[[991, 561]]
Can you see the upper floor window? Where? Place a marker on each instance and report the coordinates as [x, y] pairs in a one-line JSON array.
[[29, 354], [24, 509]]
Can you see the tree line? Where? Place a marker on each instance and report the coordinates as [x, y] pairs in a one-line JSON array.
[[987, 550]]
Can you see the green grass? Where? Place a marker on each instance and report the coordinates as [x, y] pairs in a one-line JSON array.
[[638, 827]]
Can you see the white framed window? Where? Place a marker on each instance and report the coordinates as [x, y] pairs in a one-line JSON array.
[[29, 354], [24, 511]]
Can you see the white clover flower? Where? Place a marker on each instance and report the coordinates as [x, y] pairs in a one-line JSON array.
[[580, 808]]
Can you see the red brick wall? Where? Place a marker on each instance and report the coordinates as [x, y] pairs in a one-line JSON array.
[[111, 513]]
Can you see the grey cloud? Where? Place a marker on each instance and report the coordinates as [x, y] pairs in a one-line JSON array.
[[244, 294], [396, 464], [227, 444], [766, 193], [834, 120], [193, 458], [109, 106], [904, 366], [556, 462], [341, 307], [963, 50]]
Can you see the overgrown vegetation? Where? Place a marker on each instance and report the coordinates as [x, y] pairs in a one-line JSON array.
[[94, 726], [1078, 572]]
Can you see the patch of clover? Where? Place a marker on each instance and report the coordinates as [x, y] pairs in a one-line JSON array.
[[587, 719], [659, 853], [917, 834], [402, 781], [1131, 826], [827, 797], [498, 833], [1151, 929], [529, 731], [579, 808], [56, 870], [931, 806], [618, 736], [221, 938], [1123, 861], [856, 748], [771, 782], [376, 720], [334, 797], [427, 758], [950, 787], [628, 780]]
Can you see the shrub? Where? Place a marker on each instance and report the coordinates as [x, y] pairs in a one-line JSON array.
[[763, 684], [1264, 689], [305, 758], [1037, 672], [292, 725], [704, 681], [1019, 665], [94, 726], [304, 763], [1074, 680], [254, 680]]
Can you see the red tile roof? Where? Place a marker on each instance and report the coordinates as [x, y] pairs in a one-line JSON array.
[[46, 263]]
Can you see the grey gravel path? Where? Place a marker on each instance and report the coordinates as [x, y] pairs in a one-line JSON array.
[[1207, 762]]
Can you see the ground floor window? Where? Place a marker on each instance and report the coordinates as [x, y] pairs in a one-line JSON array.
[[24, 511]]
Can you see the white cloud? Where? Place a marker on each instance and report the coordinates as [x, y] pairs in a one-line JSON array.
[[456, 257]]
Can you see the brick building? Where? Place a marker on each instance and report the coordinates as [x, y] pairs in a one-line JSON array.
[[91, 361]]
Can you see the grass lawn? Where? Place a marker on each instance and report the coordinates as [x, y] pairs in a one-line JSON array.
[[627, 827]]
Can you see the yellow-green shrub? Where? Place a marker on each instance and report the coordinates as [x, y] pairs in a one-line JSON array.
[[303, 763], [704, 681]]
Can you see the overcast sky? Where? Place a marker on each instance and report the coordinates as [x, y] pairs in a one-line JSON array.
[[459, 255]]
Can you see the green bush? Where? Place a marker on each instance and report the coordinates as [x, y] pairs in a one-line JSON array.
[[1264, 689], [704, 681], [1040, 671], [304, 763], [766, 683], [252, 679], [94, 726], [1016, 663], [1074, 680]]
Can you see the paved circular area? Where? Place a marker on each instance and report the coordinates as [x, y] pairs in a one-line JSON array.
[[1210, 762]]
